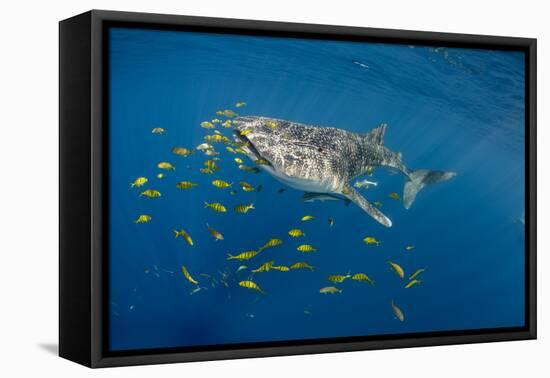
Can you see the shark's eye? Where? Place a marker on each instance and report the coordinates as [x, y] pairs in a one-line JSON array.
[[320, 149]]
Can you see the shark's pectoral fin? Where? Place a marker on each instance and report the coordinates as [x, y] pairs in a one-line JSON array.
[[360, 201]]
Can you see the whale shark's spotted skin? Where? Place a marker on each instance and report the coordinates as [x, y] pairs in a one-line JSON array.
[[321, 159]]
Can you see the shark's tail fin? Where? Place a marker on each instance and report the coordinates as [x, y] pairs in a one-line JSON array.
[[415, 181]]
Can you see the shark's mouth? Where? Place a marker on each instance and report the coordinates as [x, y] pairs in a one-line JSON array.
[[248, 147]]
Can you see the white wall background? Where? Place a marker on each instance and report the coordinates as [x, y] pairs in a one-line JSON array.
[[29, 189]]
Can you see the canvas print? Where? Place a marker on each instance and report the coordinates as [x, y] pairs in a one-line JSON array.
[[267, 189]]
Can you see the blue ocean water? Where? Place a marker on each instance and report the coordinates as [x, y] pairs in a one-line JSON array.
[[447, 108]]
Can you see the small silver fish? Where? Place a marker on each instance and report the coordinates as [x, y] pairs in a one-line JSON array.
[[364, 183], [362, 65], [194, 291]]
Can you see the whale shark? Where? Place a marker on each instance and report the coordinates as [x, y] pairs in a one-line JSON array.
[[318, 159]]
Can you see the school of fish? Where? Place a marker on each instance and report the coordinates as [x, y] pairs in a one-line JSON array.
[[245, 277]]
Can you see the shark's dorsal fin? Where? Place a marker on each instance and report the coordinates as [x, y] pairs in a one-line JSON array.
[[376, 135], [360, 201]]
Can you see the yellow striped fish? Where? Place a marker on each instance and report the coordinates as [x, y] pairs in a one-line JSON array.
[[218, 207], [227, 113], [412, 283], [301, 265], [246, 186], [185, 185], [246, 168], [336, 278], [306, 248], [182, 151], [271, 243], [397, 269], [214, 233], [207, 125], [188, 276], [140, 181], [296, 232], [243, 209], [144, 218], [369, 240], [394, 196], [207, 171], [184, 235], [221, 184], [166, 165], [264, 267], [416, 273], [306, 218], [214, 138], [210, 164], [361, 277], [245, 132], [281, 268], [243, 256], [150, 193], [251, 285]]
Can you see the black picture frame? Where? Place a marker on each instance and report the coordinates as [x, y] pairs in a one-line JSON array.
[[84, 176]]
